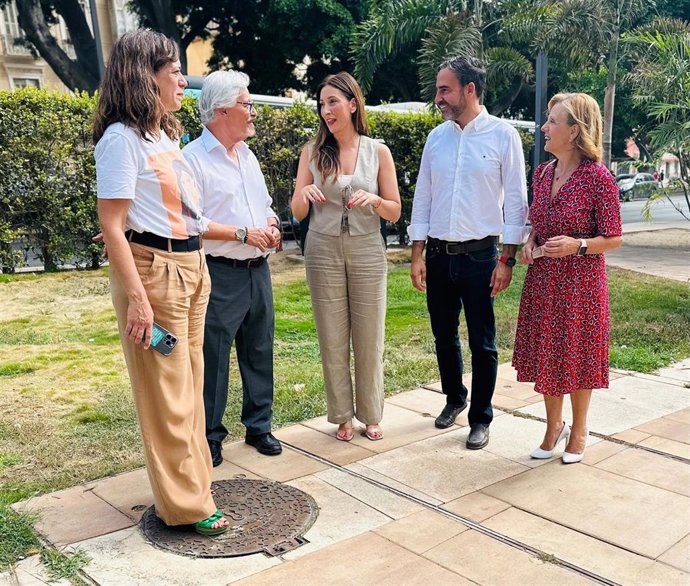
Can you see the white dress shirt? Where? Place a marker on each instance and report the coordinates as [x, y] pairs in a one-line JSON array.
[[231, 193], [469, 180]]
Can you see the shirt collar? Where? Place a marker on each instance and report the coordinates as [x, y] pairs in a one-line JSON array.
[[210, 142], [476, 124]]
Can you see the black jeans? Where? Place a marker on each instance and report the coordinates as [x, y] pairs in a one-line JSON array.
[[454, 281]]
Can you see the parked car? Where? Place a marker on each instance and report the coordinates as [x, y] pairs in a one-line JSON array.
[[635, 186]]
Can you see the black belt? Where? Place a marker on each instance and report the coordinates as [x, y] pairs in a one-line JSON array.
[[248, 263], [170, 244], [453, 248]]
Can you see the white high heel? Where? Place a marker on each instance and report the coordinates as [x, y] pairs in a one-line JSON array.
[[570, 458], [540, 454]]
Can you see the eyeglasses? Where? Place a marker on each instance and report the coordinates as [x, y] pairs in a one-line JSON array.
[[248, 106]]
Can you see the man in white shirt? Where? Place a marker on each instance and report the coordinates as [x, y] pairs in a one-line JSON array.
[[242, 228], [471, 188]]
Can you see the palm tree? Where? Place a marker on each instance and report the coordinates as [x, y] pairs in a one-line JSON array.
[[444, 28], [661, 82], [586, 33]]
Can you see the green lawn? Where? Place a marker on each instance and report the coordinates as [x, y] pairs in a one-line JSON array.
[[66, 414]]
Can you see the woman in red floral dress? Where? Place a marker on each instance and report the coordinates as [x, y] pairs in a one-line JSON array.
[[562, 338]]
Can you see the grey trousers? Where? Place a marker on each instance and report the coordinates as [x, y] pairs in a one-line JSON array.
[[240, 309], [347, 280]]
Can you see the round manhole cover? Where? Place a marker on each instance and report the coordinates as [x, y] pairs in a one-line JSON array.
[[264, 517]]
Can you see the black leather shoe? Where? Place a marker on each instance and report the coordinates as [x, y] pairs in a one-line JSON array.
[[449, 415], [479, 436], [216, 452], [265, 444]]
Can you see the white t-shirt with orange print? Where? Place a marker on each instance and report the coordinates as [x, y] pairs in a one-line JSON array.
[[155, 176]]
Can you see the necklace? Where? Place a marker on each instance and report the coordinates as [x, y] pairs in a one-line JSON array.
[[565, 174]]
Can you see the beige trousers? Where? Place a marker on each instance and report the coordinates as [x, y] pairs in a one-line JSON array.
[[347, 280], [168, 390]]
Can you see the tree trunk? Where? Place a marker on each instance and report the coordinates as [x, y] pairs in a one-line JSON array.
[[609, 101], [507, 98], [161, 15], [74, 74]]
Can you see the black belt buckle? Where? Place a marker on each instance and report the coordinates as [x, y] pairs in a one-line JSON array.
[[255, 262]]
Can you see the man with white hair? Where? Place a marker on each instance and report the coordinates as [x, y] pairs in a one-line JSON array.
[[242, 228]]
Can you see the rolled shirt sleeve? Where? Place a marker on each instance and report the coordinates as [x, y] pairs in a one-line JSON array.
[[421, 204], [515, 206]]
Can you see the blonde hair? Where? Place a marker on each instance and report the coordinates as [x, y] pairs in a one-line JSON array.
[[583, 111]]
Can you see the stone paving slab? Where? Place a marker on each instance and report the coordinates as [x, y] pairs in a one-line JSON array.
[[6, 579], [627, 513], [325, 446], [286, 466], [443, 467], [31, 572], [401, 426], [679, 371], [421, 531], [651, 469], [126, 558], [668, 446], [130, 493], [666, 427], [682, 415], [628, 403], [74, 514], [679, 556], [381, 499], [476, 506], [516, 440], [487, 561], [394, 484], [586, 552], [341, 516], [367, 559]]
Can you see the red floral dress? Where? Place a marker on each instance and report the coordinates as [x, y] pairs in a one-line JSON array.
[[562, 338]]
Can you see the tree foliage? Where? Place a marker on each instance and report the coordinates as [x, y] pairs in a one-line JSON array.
[[661, 82], [442, 29]]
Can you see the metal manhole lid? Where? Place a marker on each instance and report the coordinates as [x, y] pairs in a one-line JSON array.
[[264, 516]]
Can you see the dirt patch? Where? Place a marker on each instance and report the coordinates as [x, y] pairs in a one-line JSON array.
[[676, 238]]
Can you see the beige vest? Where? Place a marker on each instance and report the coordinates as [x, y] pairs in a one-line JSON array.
[[327, 217]]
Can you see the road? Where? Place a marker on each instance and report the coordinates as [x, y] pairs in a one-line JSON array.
[[662, 211]]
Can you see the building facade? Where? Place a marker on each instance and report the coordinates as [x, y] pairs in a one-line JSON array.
[[21, 66]]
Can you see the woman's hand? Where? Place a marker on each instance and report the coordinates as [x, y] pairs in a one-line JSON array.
[[560, 246], [139, 327], [363, 198], [526, 257], [311, 193]]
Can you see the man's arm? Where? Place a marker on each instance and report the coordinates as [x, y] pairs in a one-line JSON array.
[[420, 220], [515, 209]]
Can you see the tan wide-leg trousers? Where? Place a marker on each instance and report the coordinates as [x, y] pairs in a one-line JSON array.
[[168, 390], [347, 280]]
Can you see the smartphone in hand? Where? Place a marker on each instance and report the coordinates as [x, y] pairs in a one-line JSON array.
[[162, 340]]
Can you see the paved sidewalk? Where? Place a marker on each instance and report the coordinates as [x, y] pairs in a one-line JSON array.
[[419, 508]]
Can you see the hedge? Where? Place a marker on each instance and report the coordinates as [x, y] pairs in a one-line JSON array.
[[47, 185]]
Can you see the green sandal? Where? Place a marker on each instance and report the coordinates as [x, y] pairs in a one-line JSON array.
[[205, 527]]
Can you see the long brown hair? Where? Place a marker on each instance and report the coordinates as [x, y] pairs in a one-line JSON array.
[[129, 92], [326, 153]]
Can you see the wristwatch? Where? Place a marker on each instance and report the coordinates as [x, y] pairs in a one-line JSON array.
[[241, 235], [509, 261], [583, 247]]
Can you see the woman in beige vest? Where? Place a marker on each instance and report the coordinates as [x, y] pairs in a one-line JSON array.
[[346, 183]]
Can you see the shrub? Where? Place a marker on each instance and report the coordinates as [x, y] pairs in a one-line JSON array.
[[47, 187]]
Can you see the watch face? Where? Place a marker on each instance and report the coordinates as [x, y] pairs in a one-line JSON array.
[[510, 261], [240, 234]]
